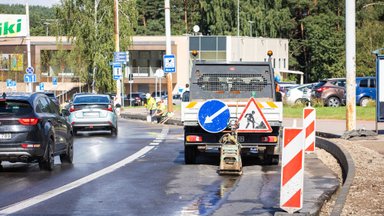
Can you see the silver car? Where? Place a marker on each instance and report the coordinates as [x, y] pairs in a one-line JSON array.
[[93, 112]]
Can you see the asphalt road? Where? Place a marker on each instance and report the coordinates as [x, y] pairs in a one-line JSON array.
[[142, 172]]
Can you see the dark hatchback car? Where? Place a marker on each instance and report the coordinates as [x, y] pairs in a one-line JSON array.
[[330, 91], [32, 130]]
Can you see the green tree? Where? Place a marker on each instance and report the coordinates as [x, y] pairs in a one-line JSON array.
[[89, 24]]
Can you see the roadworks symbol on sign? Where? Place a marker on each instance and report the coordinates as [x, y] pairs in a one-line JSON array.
[[253, 120]]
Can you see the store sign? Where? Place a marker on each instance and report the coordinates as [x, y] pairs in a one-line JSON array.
[[13, 25]]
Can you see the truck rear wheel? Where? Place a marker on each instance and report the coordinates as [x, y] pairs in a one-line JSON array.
[[190, 153], [269, 157]]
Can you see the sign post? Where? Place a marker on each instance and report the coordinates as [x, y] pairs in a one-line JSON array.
[[379, 87]]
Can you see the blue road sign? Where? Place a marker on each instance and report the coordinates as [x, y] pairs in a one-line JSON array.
[[116, 77], [121, 56], [9, 83], [54, 81], [29, 78], [29, 70], [116, 64], [13, 83], [169, 63], [41, 86], [213, 116]]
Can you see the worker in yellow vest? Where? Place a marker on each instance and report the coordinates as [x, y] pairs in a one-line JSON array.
[[161, 110], [151, 107]]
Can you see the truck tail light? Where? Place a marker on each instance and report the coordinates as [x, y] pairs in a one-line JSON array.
[[194, 138], [269, 139], [28, 121]]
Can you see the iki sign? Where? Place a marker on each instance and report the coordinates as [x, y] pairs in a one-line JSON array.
[[13, 25]]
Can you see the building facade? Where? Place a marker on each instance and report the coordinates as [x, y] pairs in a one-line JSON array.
[[145, 58]]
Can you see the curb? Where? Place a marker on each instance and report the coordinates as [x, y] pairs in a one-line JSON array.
[[144, 118], [347, 166], [339, 153]]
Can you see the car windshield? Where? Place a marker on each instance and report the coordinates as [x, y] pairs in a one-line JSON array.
[[91, 99], [15, 108]]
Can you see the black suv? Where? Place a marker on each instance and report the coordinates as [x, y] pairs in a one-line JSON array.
[[32, 130]]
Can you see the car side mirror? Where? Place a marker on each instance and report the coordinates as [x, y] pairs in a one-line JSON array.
[[118, 105]]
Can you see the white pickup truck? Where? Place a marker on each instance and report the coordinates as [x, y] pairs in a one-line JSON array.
[[233, 83]]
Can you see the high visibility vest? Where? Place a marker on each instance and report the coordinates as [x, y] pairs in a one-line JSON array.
[[151, 103]]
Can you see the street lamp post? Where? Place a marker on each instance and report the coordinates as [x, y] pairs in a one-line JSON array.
[[46, 28], [250, 27]]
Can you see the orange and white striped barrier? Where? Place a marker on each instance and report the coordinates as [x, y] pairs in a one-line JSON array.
[[292, 170], [309, 125]]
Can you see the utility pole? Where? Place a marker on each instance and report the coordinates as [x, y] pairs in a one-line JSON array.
[[117, 46], [250, 27], [28, 39], [350, 28], [168, 51]]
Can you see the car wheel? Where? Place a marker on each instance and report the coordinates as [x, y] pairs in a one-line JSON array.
[[364, 101], [333, 102], [68, 156], [48, 162], [190, 153], [75, 132], [114, 131]]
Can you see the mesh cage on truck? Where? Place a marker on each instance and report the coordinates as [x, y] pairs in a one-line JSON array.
[[228, 80]]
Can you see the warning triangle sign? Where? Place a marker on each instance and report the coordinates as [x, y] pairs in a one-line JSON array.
[[253, 120]]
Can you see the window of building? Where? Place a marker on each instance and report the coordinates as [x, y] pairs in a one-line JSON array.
[[210, 48], [146, 62]]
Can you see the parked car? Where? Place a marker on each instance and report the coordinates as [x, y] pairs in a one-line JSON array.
[[285, 86], [93, 112], [299, 94], [161, 94], [330, 91], [137, 99], [365, 90], [32, 130]]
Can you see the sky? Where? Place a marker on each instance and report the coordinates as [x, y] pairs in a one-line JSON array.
[[47, 3]]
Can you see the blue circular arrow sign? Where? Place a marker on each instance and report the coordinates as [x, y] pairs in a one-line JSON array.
[[213, 116]]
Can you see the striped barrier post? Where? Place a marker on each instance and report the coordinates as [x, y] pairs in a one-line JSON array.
[[309, 124], [292, 170]]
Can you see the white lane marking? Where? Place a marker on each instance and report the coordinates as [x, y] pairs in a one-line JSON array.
[[52, 193]]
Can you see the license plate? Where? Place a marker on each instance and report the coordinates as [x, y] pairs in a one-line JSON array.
[[5, 136], [91, 114]]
